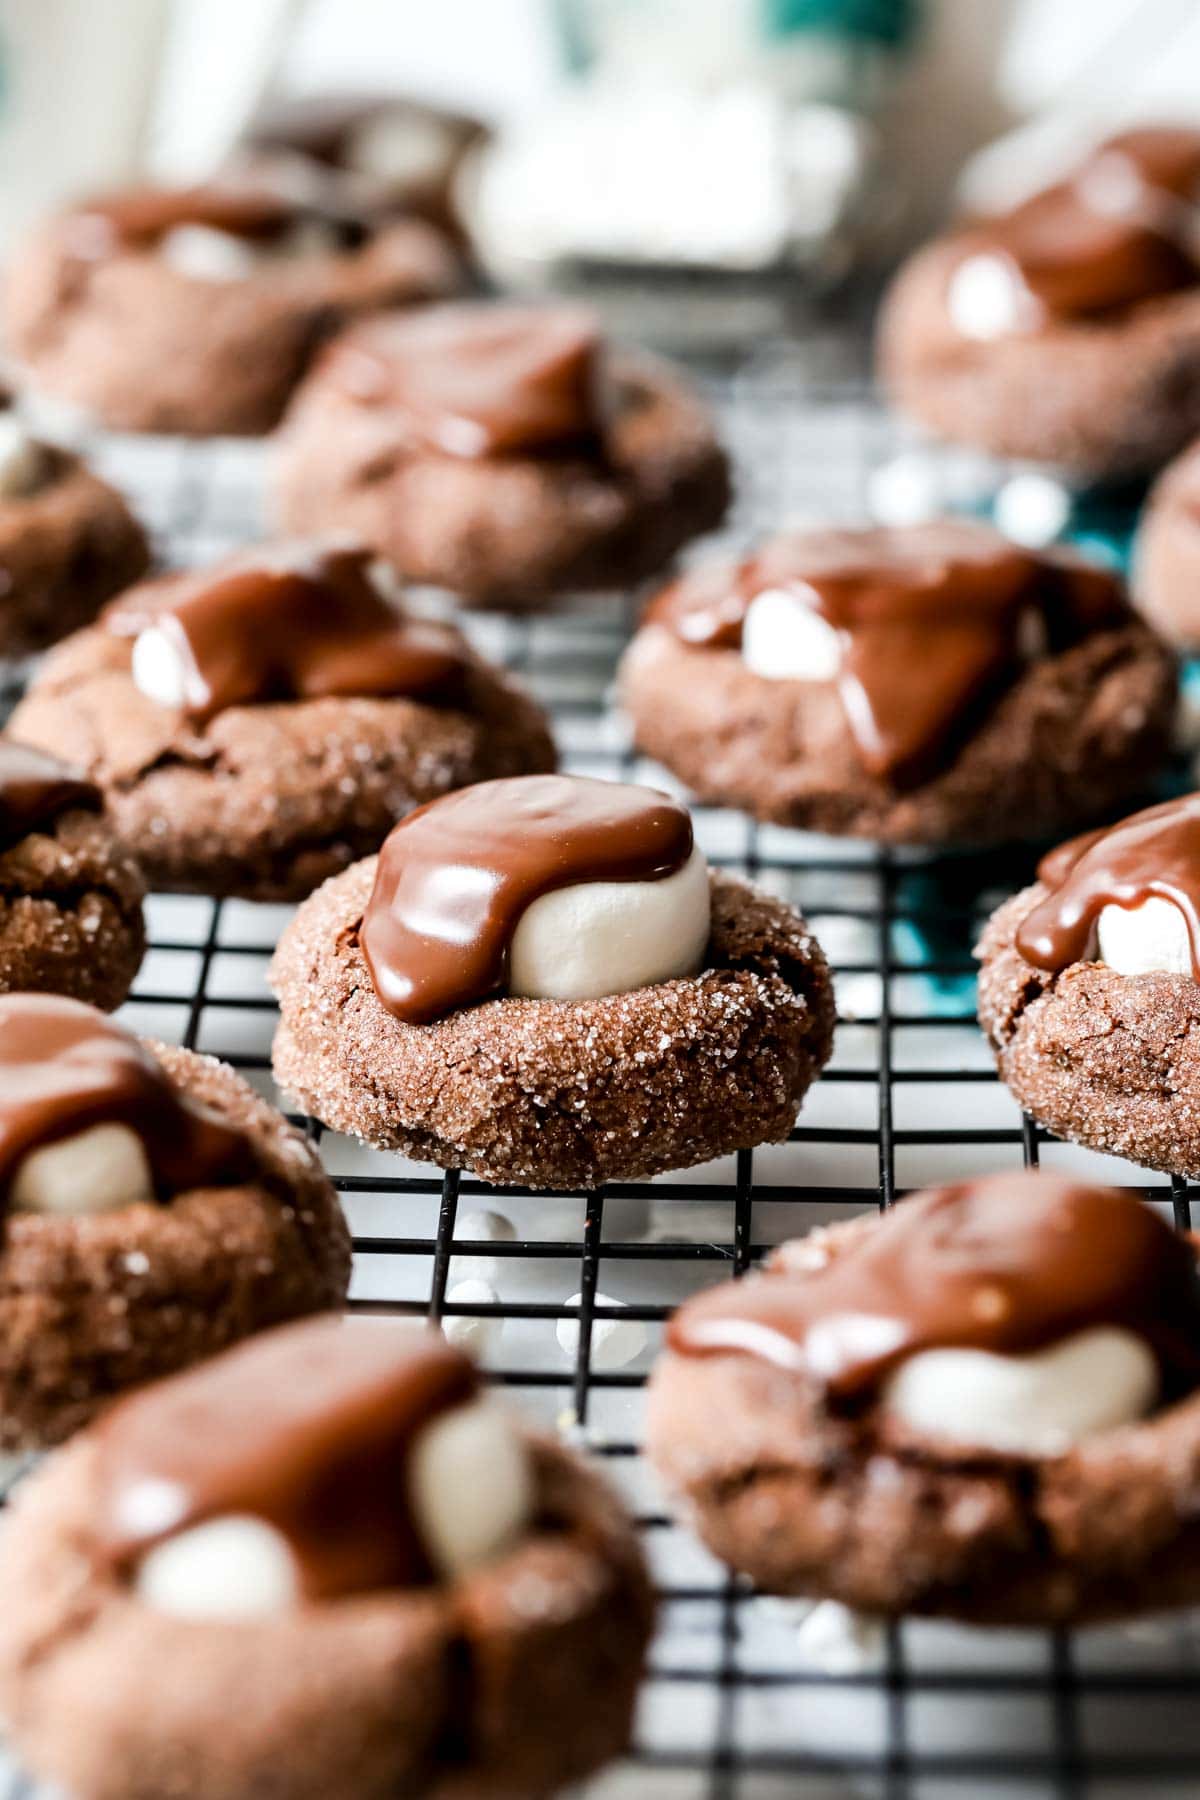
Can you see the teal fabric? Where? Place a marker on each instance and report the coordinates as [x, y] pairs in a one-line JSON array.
[[889, 22]]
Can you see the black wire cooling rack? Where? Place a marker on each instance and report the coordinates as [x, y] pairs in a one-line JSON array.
[[747, 1698]]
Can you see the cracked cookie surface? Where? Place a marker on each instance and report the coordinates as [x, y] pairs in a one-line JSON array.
[[71, 913]]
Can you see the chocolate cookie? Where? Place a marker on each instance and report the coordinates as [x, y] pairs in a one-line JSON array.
[[156, 1211], [302, 716], [580, 1072], [1015, 1442], [1066, 331], [1096, 1030], [500, 452], [68, 542], [1166, 558], [198, 310], [928, 685], [70, 895], [515, 1675]]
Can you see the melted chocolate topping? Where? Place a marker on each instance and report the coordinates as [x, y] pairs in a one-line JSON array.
[[929, 620], [1122, 229], [64, 1067], [309, 1428], [455, 877], [482, 380], [35, 791], [292, 622], [1008, 1264], [1154, 854]]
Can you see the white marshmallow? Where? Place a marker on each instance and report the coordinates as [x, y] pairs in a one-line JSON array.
[[608, 937], [984, 298], [205, 254], [1134, 940], [401, 147], [907, 490], [614, 1343], [1032, 509], [96, 1171], [486, 1227], [785, 640], [1035, 1405], [158, 669], [478, 1336], [22, 458], [237, 1567], [838, 1641], [471, 1485]]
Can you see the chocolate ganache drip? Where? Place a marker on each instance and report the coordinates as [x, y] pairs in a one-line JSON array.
[[309, 1428], [1121, 229], [292, 622], [35, 791], [1007, 1264], [482, 380], [929, 621], [455, 877], [64, 1067], [1153, 855]]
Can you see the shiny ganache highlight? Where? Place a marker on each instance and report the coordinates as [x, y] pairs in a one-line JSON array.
[[929, 620], [1121, 229], [455, 877], [292, 622], [309, 1428], [1155, 854], [1007, 1264], [64, 1067], [475, 380], [36, 790]]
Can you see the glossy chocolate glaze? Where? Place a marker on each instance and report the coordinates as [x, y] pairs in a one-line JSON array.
[[1154, 854], [1007, 1264], [1120, 230], [482, 380], [455, 877], [64, 1067], [929, 619], [292, 622], [310, 1428], [35, 791]]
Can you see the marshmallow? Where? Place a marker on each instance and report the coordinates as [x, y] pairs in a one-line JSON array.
[[1035, 1405], [96, 1171], [838, 1641], [471, 1485], [1032, 509], [614, 1342], [907, 490], [401, 147], [158, 668], [785, 640], [1135, 940], [984, 298], [485, 1227], [22, 458], [204, 254], [608, 937], [478, 1336], [237, 1567]]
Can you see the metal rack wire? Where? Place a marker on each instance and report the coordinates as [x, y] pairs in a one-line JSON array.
[[739, 1705]]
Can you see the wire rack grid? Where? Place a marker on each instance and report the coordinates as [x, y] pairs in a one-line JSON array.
[[746, 1698]]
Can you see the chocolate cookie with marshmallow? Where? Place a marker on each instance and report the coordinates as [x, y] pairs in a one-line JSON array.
[[983, 1404], [1089, 989], [406, 1589], [259, 725], [197, 310], [1067, 330], [928, 684], [68, 541], [541, 981], [70, 894], [152, 1211], [504, 452]]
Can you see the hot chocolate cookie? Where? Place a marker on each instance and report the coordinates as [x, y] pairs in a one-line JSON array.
[[257, 726], [68, 542], [152, 1211], [985, 1404], [1067, 330], [1089, 989], [541, 981], [928, 684], [70, 895], [502, 452], [405, 1589], [197, 310]]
